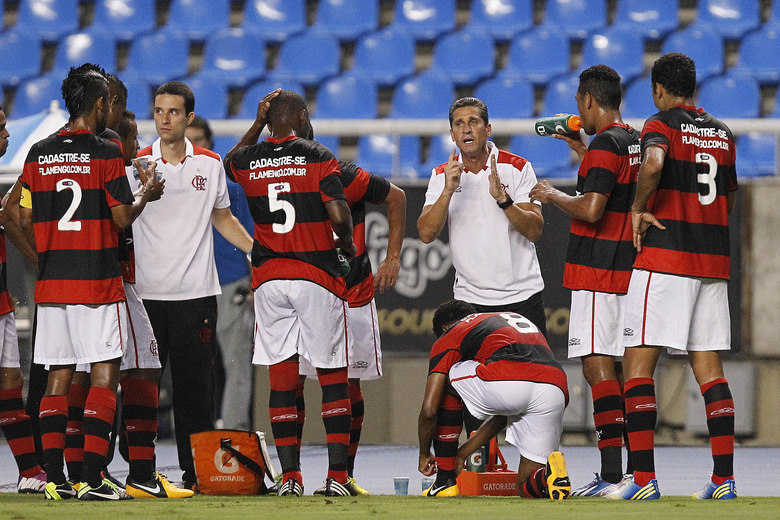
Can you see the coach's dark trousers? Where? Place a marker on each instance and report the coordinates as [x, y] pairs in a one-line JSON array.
[[532, 308], [184, 330]]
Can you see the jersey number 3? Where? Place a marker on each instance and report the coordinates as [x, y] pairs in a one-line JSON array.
[[65, 223], [707, 177], [276, 204]]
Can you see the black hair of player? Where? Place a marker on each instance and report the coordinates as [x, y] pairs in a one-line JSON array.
[[448, 313], [81, 89], [603, 84], [471, 102], [285, 108], [202, 124], [676, 72], [177, 88], [120, 87], [91, 67], [124, 126]]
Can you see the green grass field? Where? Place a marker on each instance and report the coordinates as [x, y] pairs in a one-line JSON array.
[[18, 507]]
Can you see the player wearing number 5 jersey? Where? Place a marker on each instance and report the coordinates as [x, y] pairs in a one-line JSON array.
[[297, 201], [677, 297]]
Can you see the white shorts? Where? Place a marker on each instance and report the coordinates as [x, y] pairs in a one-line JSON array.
[[299, 317], [534, 411], [9, 343], [141, 351], [72, 334], [596, 324], [364, 354], [677, 312]]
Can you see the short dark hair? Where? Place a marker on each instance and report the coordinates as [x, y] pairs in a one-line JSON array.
[[199, 122], [81, 89], [285, 107], [676, 72], [124, 126], [120, 87], [177, 88], [448, 313], [603, 83], [471, 102]]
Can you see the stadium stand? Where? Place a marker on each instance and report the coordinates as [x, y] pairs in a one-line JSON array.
[[347, 19], [507, 97], [139, 96], [275, 20], [256, 92], [124, 19], [210, 97], [235, 55], [48, 19], [502, 19], [199, 18], [159, 57], [331, 142], [21, 56], [223, 143], [759, 54], [538, 55], [387, 56], [465, 57], [377, 153], [88, 46], [349, 96], [576, 18], [426, 96], [298, 62], [702, 44], [638, 99], [620, 48], [425, 19], [731, 18], [549, 157], [438, 153], [559, 96], [732, 95], [653, 20], [36, 95], [756, 155]]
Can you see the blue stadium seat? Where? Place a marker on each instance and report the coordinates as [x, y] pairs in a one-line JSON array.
[[49, 19], [731, 18], [759, 54], [159, 56], [507, 97], [235, 56], [35, 95], [576, 18], [256, 92], [732, 95], [538, 55], [425, 19], [438, 153], [349, 96], [386, 56], [652, 20], [21, 56], [550, 158], [125, 19], [427, 96], [224, 143], [275, 20], [559, 96], [638, 99], [211, 97], [502, 19], [377, 155], [702, 44], [465, 57], [621, 49], [331, 142], [347, 19], [309, 58], [199, 18], [89, 46], [139, 96], [756, 154]]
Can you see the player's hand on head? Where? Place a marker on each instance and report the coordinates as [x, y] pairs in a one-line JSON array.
[[497, 190], [265, 104], [387, 274], [452, 172], [541, 192]]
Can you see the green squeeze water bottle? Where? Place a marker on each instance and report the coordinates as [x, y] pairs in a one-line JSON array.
[[560, 124]]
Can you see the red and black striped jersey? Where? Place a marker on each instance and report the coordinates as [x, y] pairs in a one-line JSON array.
[[508, 346], [287, 182], [601, 255], [691, 199], [361, 187], [75, 178], [6, 303]]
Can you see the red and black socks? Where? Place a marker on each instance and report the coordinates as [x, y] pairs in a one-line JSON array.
[[641, 413], [356, 426], [445, 443], [300, 404], [336, 415], [98, 421], [53, 422], [536, 484], [139, 413], [284, 416], [17, 429], [74, 434], [720, 424], [608, 418]]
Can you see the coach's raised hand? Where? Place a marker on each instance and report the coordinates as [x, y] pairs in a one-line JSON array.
[[452, 173]]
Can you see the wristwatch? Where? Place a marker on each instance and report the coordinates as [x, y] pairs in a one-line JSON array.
[[508, 202]]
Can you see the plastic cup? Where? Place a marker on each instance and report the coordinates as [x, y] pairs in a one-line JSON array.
[[401, 485], [427, 482]]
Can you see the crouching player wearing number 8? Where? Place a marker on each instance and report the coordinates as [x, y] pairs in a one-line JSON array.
[[500, 366]]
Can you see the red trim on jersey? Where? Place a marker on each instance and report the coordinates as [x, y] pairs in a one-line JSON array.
[[346, 333], [644, 309], [132, 332], [199, 150], [593, 325], [362, 293], [464, 377], [277, 140], [292, 269], [65, 131], [145, 151], [376, 347], [509, 158], [691, 108], [119, 323]]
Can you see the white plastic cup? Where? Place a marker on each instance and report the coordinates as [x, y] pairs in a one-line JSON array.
[[427, 482], [401, 485]]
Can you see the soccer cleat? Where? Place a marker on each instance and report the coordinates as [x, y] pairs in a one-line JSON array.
[[558, 483], [107, 490], [274, 489], [355, 489], [596, 488], [157, 487], [34, 484], [116, 482], [54, 491], [75, 485], [725, 491], [629, 490], [333, 488], [291, 488], [449, 489]]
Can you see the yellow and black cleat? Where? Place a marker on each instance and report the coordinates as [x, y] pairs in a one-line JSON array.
[[558, 483], [448, 489]]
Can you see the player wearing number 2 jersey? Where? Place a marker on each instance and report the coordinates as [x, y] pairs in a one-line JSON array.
[[677, 297]]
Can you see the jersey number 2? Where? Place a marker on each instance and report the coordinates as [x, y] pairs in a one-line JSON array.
[[65, 223], [707, 177], [276, 204]]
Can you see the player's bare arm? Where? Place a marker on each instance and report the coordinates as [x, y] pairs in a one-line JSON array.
[[230, 227], [525, 217], [481, 437], [426, 423], [151, 187], [11, 202], [25, 222], [253, 134], [433, 217], [588, 207], [647, 183], [341, 220], [387, 272], [17, 237]]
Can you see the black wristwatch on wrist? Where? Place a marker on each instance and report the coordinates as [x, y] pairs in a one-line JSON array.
[[508, 202]]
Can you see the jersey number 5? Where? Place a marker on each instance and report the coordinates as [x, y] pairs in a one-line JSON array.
[[276, 204], [707, 177], [65, 223]]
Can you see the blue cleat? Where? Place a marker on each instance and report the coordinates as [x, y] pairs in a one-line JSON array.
[[725, 491], [629, 490], [596, 488]]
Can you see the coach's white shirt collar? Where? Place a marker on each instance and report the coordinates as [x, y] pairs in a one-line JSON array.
[[493, 151], [189, 150]]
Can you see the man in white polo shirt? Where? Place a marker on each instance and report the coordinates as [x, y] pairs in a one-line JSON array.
[[175, 271]]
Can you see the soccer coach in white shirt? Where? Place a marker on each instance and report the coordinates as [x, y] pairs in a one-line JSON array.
[[483, 194], [176, 275]]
